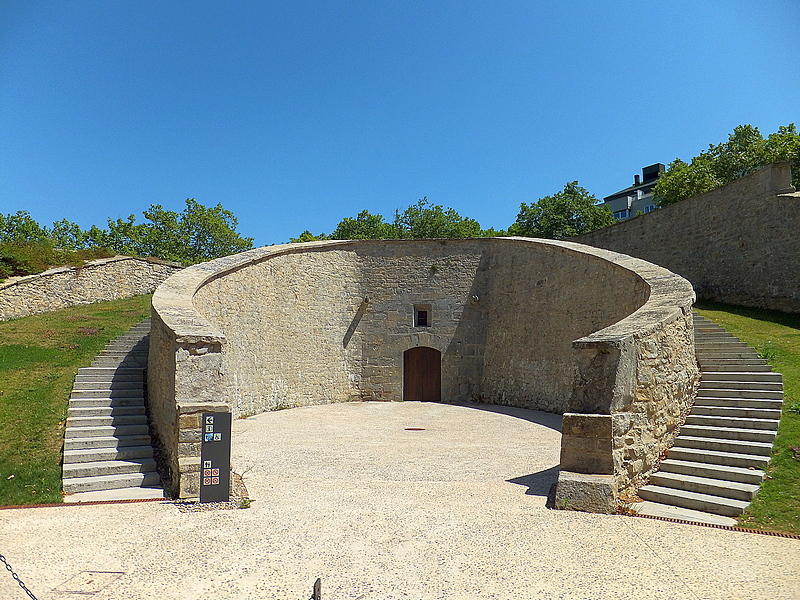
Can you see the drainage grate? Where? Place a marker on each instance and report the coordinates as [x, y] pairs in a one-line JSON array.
[[415, 429]]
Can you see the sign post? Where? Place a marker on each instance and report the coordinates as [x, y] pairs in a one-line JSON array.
[[215, 458]]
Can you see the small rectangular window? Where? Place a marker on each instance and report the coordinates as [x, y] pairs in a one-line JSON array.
[[422, 315]]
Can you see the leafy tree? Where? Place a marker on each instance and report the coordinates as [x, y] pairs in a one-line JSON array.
[[307, 236], [365, 226], [21, 227], [68, 235], [745, 151], [569, 212], [428, 221]]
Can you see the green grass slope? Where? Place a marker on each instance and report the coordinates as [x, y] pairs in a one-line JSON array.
[[39, 357], [776, 336]]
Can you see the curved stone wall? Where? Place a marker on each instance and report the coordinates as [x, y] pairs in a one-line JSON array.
[[96, 281], [300, 324]]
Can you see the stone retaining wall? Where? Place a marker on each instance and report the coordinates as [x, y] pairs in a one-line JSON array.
[[321, 322], [737, 244], [96, 281]]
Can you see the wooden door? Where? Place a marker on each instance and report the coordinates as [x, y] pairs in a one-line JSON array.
[[422, 374]]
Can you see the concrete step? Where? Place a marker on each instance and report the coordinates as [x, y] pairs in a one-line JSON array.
[[104, 421], [135, 493], [738, 402], [712, 471], [109, 441], [740, 393], [712, 355], [705, 485], [693, 500], [107, 431], [773, 414], [85, 455], [108, 467], [732, 422], [105, 402], [109, 371], [728, 433], [111, 482], [741, 376], [107, 393], [104, 411], [655, 509], [732, 459], [770, 386], [760, 367], [723, 445], [105, 385]]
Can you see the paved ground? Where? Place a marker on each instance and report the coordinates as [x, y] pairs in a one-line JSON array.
[[344, 492]]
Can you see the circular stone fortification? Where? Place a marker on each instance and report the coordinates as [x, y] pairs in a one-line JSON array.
[[491, 320]]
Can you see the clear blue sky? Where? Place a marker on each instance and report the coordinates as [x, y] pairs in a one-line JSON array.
[[296, 114]]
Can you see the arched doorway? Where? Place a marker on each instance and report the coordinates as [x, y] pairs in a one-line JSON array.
[[422, 374]]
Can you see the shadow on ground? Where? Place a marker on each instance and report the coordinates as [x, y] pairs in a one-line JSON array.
[[546, 419]]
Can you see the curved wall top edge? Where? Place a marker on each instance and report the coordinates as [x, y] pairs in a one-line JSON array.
[[669, 294]]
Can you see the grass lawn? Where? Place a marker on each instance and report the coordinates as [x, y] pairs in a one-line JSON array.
[[776, 336], [39, 357]]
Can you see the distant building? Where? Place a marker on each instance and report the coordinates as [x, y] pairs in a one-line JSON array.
[[629, 202]]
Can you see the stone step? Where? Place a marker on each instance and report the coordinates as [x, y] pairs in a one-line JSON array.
[[108, 467], [106, 393], [738, 412], [110, 371], [723, 445], [107, 431], [727, 345], [705, 485], [771, 386], [135, 493], [728, 433], [712, 471], [741, 355], [760, 367], [84, 455], [738, 402], [693, 500], [114, 421], [728, 393], [107, 442], [105, 385], [105, 411], [732, 422], [111, 482], [741, 376], [105, 402], [732, 459], [122, 376], [654, 509]]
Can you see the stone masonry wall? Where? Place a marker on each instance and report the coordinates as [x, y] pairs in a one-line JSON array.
[[96, 281], [737, 244], [329, 321]]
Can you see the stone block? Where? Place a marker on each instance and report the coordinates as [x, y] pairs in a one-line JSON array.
[[586, 426], [588, 493]]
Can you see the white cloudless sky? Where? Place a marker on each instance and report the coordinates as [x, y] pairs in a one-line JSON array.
[[294, 115]]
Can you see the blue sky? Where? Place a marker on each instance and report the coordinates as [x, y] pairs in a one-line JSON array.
[[296, 114]]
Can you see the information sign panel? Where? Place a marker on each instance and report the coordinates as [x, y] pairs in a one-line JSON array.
[[215, 457]]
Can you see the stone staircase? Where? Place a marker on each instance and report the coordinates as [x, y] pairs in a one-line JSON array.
[[717, 462], [107, 451]]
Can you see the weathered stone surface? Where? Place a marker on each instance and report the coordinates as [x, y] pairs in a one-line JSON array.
[[736, 244], [96, 281], [538, 324], [589, 493]]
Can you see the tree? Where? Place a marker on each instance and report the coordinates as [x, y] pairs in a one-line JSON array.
[[428, 221], [307, 236], [745, 151], [21, 227], [569, 212], [365, 226]]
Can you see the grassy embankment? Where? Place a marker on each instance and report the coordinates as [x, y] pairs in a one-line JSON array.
[[39, 357], [776, 336]]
